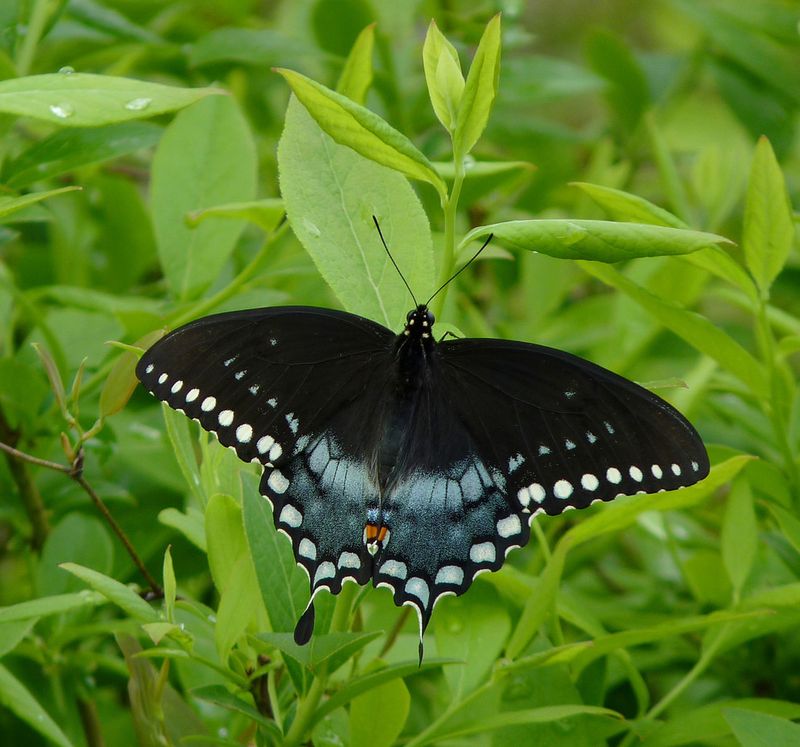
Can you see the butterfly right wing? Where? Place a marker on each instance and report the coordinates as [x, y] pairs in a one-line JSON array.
[[298, 390]]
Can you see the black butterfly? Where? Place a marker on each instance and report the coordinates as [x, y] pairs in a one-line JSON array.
[[413, 463]]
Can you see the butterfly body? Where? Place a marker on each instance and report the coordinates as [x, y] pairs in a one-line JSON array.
[[413, 463]]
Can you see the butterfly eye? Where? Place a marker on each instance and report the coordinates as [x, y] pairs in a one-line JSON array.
[[431, 318], [410, 315]]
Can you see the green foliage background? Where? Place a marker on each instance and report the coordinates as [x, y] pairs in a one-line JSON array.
[[136, 197]]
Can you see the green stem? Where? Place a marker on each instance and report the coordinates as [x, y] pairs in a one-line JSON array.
[[37, 22], [666, 167], [308, 704], [450, 213]]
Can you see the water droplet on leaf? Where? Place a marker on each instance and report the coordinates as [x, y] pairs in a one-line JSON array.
[[63, 110], [311, 228], [66, 70], [138, 105]]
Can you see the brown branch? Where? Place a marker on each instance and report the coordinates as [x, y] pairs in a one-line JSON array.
[[31, 497], [75, 471], [90, 720]]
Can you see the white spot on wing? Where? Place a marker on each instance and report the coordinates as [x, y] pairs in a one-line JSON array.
[[275, 452], [657, 472], [225, 418], [635, 473], [264, 444], [349, 560], [289, 514], [524, 497], [590, 437], [562, 489], [325, 570], [609, 427], [244, 433], [229, 361], [293, 422], [676, 470], [254, 389], [482, 552], [589, 481], [176, 387], [307, 549], [695, 467], [569, 444], [537, 492], [509, 526], [543, 450], [394, 568], [162, 378], [613, 475], [209, 403], [277, 481], [450, 574], [149, 368], [515, 462], [272, 402], [192, 395], [419, 588]]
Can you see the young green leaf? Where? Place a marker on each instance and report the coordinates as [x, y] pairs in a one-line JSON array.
[[170, 586], [358, 128], [387, 705], [443, 75], [331, 194], [624, 206], [753, 729], [266, 214], [179, 433], [85, 100], [356, 77], [44, 606], [206, 157], [768, 226], [479, 91], [739, 534], [121, 381], [602, 241], [9, 205]]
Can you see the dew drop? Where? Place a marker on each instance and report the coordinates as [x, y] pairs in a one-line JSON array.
[[138, 105], [66, 70], [62, 111], [311, 228]]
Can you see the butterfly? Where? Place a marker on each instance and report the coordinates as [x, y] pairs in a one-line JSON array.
[[410, 462]]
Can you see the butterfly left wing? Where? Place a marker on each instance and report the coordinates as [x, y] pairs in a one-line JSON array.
[[291, 388], [509, 430]]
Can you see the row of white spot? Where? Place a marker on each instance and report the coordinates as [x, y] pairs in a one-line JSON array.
[[563, 489]]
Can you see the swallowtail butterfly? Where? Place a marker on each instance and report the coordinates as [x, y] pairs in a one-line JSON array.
[[410, 462]]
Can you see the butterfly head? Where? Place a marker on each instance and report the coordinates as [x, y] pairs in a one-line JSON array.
[[419, 323]]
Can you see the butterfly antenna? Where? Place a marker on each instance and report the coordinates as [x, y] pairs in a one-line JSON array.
[[464, 267], [383, 241]]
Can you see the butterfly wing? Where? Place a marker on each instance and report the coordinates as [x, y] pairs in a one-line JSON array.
[[513, 429], [290, 388]]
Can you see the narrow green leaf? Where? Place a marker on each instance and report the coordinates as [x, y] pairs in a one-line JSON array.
[[45, 606], [121, 381], [331, 193], [67, 150], [768, 226], [85, 100], [170, 586], [238, 605], [358, 128], [159, 630], [224, 538], [218, 695], [443, 75], [328, 649], [266, 214], [9, 205], [356, 77], [698, 331], [18, 699], [206, 158], [388, 705], [179, 433], [12, 633], [54, 376], [190, 524], [739, 534], [789, 523], [601, 241], [754, 729], [479, 91], [115, 592], [624, 206]]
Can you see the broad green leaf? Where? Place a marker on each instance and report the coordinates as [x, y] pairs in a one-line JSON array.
[[331, 194], [85, 100], [768, 227], [9, 205], [624, 206], [190, 524], [259, 48], [45, 606], [356, 77], [205, 158], [224, 538], [121, 381], [753, 729], [170, 586], [11, 633], [238, 605], [358, 128], [739, 534], [266, 214], [479, 91], [443, 75], [473, 630], [717, 261], [329, 649], [121, 595], [698, 331], [67, 150], [18, 699], [388, 705], [601, 241], [179, 433]]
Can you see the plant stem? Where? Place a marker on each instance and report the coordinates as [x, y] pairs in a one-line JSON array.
[[90, 721], [450, 213], [666, 167], [37, 21]]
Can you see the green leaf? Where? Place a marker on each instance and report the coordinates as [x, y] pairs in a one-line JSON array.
[[739, 534], [44, 606], [238, 605], [16, 697], [170, 586], [358, 128], [190, 524], [624, 206], [266, 214], [388, 705], [601, 241], [85, 100], [356, 77], [179, 434], [12, 633], [224, 538], [205, 158], [331, 194], [698, 331], [9, 205], [479, 91], [329, 649], [754, 729], [443, 75], [115, 592], [768, 226], [259, 48], [218, 695], [121, 381], [67, 150]]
